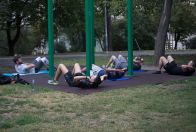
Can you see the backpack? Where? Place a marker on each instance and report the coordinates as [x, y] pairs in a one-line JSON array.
[[5, 79]]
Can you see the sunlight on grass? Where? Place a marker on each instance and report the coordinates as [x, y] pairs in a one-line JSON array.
[[166, 107]]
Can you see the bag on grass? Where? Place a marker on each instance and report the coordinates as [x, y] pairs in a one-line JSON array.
[[5, 79]]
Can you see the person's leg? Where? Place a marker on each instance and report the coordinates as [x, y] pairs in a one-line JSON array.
[[170, 58], [111, 60], [36, 60], [162, 62], [77, 68], [62, 69], [38, 66], [45, 61], [122, 62], [122, 58]]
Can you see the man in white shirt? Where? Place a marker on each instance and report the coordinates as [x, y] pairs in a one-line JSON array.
[[34, 67]]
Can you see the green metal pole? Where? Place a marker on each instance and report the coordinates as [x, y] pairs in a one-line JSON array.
[[50, 38], [130, 38], [88, 35], [92, 33]]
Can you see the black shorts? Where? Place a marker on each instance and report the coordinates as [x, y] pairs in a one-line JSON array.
[[170, 66], [78, 74], [69, 78]]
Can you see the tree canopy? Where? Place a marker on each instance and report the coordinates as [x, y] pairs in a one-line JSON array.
[[17, 17]]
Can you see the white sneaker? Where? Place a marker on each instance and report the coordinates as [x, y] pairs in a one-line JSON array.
[[53, 82]]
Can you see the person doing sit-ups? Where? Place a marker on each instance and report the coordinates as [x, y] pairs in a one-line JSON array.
[[117, 66], [76, 78], [34, 67], [172, 68]]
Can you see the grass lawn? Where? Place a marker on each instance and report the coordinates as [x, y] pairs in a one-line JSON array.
[[148, 60], [166, 107]]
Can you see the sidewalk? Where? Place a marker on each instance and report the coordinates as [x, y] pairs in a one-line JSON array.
[[124, 53]]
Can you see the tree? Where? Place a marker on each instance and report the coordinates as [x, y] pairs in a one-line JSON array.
[[162, 30], [17, 14], [183, 20]]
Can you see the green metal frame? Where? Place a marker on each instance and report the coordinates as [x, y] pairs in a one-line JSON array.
[[90, 41], [130, 37], [50, 38]]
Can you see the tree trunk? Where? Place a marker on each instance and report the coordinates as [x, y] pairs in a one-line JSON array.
[[12, 43], [110, 32], [162, 31], [83, 41]]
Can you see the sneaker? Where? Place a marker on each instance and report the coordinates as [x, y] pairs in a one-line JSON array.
[[53, 82], [157, 72]]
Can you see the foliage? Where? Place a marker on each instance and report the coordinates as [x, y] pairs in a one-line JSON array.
[[69, 19], [60, 48], [17, 14], [183, 21]]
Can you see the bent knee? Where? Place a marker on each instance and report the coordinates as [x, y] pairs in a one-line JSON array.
[[76, 64], [113, 57], [162, 57], [61, 65]]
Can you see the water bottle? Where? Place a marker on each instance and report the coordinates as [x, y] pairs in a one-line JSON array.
[[33, 85]]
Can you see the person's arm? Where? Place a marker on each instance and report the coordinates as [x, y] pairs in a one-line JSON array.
[[103, 77], [76, 78], [186, 66], [29, 66], [115, 70], [83, 69]]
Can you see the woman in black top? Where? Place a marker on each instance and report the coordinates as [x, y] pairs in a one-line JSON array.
[[172, 68]]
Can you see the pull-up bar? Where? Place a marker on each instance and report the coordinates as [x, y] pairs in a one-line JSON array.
[[90, 41]]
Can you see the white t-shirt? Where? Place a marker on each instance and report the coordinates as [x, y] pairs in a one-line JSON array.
[[95, 70], [22, 69]]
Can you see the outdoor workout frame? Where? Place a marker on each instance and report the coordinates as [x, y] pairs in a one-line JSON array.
[[90, 41]]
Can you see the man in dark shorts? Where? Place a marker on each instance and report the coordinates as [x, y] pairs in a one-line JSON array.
[[75, 78], [172, 68]]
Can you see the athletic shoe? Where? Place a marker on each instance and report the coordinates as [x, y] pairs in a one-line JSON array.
[[53, 82], [157, 72]]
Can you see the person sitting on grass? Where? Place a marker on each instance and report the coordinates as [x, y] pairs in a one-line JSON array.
[[172, 68], [76, 78], [24, 68], [117, 66]]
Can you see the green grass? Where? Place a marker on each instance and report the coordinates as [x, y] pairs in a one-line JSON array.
[[148, 60], [166, 107]]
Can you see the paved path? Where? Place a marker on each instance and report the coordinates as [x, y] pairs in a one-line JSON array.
[[135, 53]]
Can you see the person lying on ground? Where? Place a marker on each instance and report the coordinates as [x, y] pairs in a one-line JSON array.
[[137, 63], [76, 78], [172, 68], [109, 73], [117, 66], [96, 71], [34, 67], [11, 80]]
